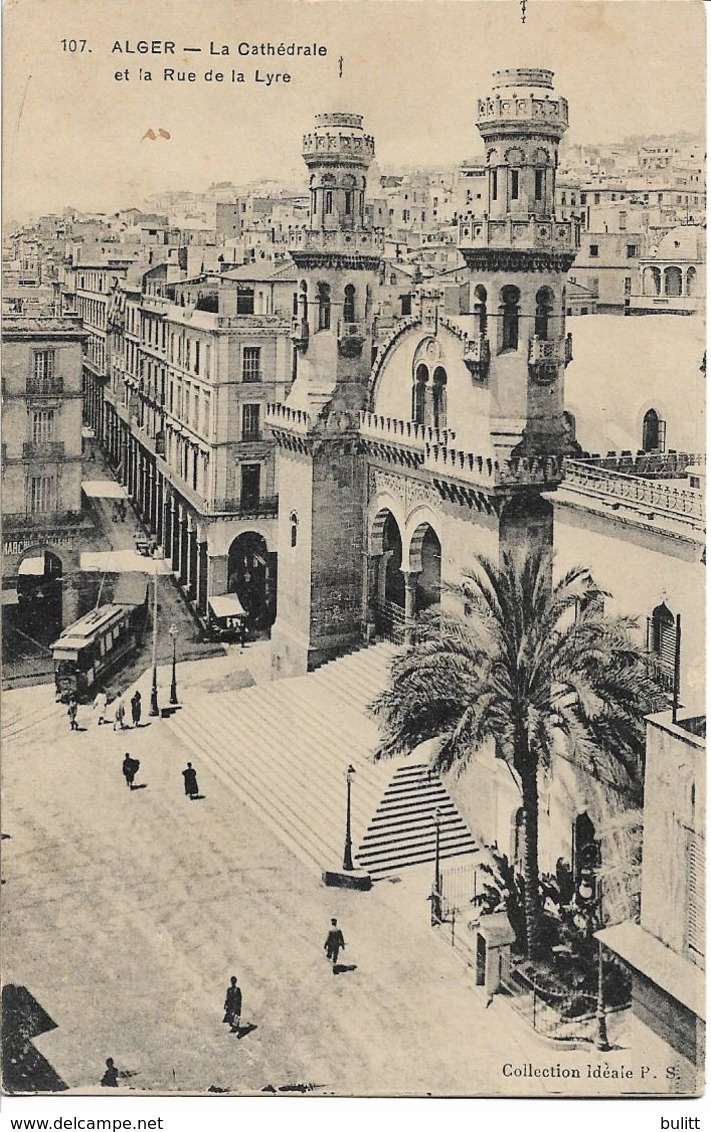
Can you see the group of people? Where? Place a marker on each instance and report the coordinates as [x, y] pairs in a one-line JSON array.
[[101, 706]]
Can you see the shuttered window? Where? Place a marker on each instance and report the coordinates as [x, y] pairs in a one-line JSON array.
[[695, 896]]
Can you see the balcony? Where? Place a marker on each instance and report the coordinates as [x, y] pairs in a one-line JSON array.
[[544, 356], [526, 234], [449, 465], [266, 508], [360, 242], [477, 355], [300, 333], [568, 349], [45, 387], [43, 450], [351, 336]]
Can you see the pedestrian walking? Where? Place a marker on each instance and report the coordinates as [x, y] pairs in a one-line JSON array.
[[334, 943], [100, 704], [120, 715], [72, 709], [190, 779], [111, 1075], [233, 1005], [136, 708], [130, 768]]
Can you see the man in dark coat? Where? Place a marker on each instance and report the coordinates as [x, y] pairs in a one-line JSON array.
[[136, 708], [130, 766], [190, 779], [233, 1005], [334, 943], [111, 1076]]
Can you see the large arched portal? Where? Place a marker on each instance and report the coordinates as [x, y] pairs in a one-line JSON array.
[[251, 575], [426, 567], [39, 596], [387, 586]]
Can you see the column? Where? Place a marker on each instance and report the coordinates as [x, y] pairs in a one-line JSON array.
[[192, 564], [183, 550], [158, 507], [372, 566], [202, 579], [175, 536], [410, 577]]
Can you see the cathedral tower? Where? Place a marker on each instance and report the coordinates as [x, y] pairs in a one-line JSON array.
[[518, 257], [319, 471]]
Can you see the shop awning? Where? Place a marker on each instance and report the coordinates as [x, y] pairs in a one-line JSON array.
[[226, 605], [104, 489], [8, 597]]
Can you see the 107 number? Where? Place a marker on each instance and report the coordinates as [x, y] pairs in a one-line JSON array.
[[75, 45]]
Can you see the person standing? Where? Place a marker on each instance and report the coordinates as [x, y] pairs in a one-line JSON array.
[[100, 704], [120, 715], [334, 943], [233, 1005], [136, 708], [72, 714], [130, 767], [111, 1075], [190, 780]]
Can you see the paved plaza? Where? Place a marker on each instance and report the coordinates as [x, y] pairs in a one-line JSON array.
[[126, 912]]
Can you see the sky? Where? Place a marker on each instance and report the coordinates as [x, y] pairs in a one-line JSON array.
[[75, 135]]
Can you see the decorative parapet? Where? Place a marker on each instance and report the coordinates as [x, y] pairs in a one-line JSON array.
[[510, 113], [360, 241], [487, 471], [281, 416], [650, 465], [527, 233], [407, 433], [652, 496]]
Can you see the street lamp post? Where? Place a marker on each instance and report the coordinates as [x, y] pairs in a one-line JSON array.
[[437, 890], [173, 630], [348, 849], [601, 1041], [154, 710]]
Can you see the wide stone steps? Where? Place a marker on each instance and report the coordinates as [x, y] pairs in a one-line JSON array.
[[403, 830], [284, 748]]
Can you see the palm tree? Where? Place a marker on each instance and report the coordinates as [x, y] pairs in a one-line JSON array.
[[527, 664]]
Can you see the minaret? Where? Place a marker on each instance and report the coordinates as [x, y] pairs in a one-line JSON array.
[[319, 471], [518, 257]]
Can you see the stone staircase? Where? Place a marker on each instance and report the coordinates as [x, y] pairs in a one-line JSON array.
[[403, 829], [284, 748]]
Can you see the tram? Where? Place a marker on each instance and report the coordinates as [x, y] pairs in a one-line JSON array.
[[95, 645]]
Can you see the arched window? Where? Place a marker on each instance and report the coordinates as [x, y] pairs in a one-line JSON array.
[[672, 281], [419, 394], [544, 308], [652, 281], [439, 394], [653, 432], [510, 298], [480, 307], [691, 281], [349, 304], [294, 527], [304, 300], [324, 306]]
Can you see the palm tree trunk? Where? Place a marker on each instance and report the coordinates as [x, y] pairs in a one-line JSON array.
[[528, 773]]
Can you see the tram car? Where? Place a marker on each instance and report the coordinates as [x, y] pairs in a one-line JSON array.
[[95, 645]]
